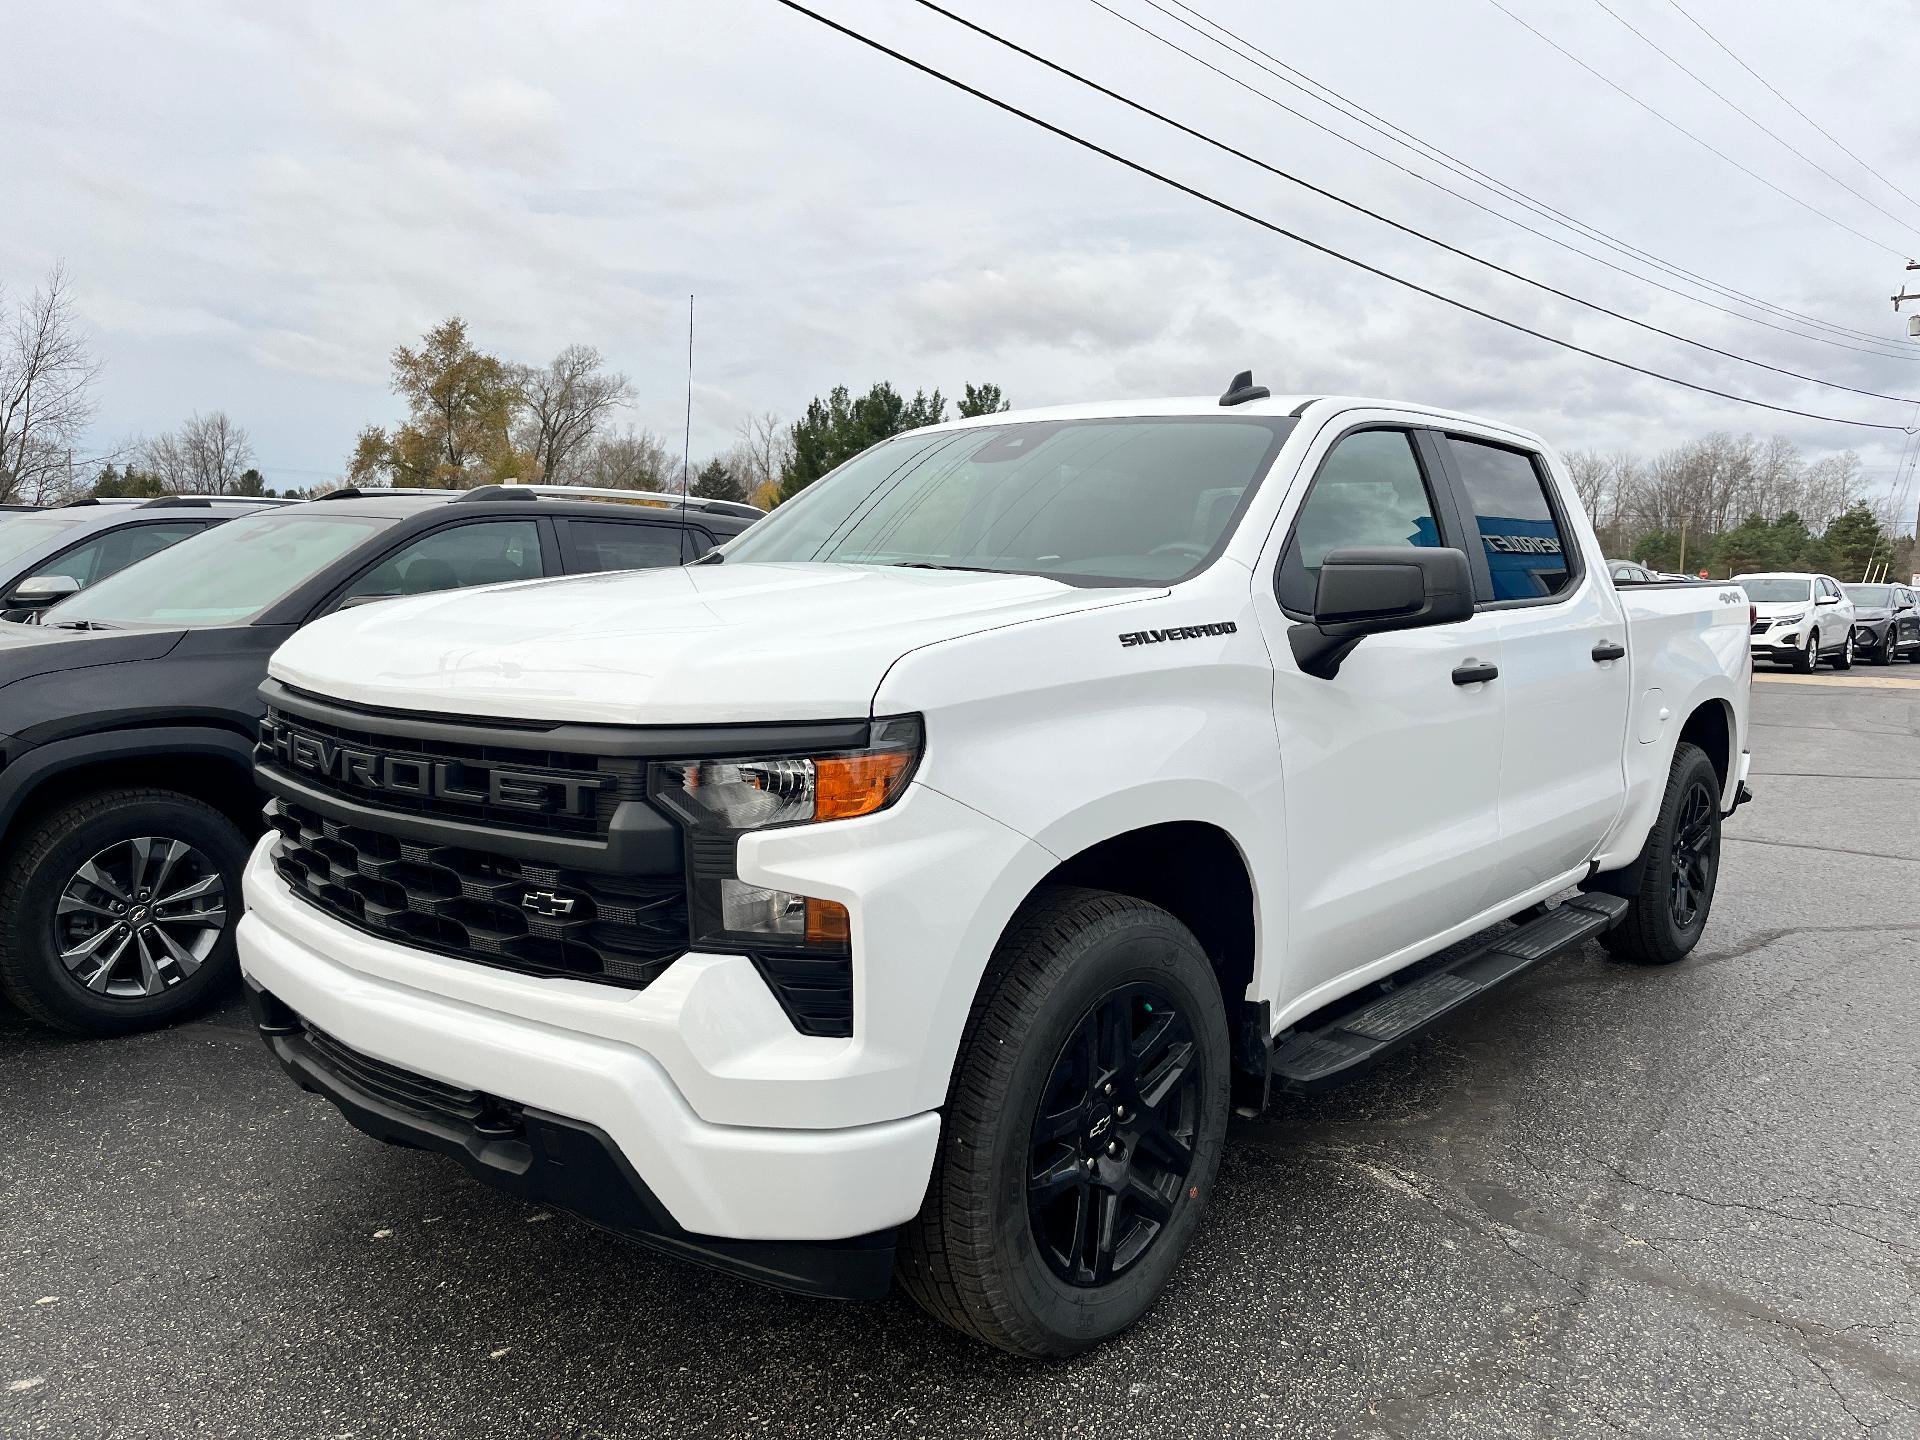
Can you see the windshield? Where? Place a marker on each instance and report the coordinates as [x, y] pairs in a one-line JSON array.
[[1085, 502], [1872, 596], [1778, 592], [224, 576], [23, 534]]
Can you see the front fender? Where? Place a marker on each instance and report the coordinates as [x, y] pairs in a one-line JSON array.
[[28, 773]]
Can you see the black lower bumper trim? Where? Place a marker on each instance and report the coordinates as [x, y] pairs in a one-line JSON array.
[[551, 1160]]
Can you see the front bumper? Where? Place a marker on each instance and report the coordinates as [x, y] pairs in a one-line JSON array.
[[549, 1159], [1782, 649], [762, 1178]]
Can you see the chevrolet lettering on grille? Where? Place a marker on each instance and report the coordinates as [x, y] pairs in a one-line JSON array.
[[422, 778]]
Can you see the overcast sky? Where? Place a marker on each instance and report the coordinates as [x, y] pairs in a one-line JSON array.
[[258, 202]]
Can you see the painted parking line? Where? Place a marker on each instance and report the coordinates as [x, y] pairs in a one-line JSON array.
[[1884, 680]]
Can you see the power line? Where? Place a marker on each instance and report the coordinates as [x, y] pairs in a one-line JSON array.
[[1353, 205], [1399, 135], [1673, 124], [1751, 120], [1465, 199], [1688, 17], [1138, 168]]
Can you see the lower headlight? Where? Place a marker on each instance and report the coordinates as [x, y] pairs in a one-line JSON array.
[[717, 801]]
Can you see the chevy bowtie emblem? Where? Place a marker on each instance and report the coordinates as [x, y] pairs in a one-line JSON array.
[[545, 902]]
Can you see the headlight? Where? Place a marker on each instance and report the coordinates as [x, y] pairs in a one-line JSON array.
[[1793, 619], [719, 800]]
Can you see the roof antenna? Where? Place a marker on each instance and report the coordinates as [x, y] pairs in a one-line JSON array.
[[686, 444], [1243, 389]]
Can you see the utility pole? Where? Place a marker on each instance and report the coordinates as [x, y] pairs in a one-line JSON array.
[[1913, 323]]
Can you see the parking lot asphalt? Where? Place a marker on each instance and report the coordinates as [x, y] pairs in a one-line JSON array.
[[1605, 1201]]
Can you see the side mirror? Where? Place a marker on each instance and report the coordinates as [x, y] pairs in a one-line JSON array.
[[40, 591], [1371, 590], [1828, 600]]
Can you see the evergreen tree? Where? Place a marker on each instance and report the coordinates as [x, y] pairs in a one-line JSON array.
[[717, 482], [983, 400], [836, 429], [1852, 541]]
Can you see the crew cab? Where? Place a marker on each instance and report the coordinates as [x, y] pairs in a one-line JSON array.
[[128, 716], [913, 887]]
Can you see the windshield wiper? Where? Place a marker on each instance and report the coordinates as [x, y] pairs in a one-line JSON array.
[[82, 625], [932, 565]]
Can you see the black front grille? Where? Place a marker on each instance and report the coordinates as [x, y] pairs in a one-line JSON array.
[[400, 1087], [475, 905], [1760, 627], [465, 770]]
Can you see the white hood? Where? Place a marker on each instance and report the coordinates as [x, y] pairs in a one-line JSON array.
[[1768, 609], [709, 644]]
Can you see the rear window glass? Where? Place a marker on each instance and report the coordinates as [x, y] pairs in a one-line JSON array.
[[1525, 548]]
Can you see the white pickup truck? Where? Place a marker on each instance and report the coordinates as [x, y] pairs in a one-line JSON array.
[[913, 888]]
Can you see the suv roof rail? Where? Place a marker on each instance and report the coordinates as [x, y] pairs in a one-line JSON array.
[[374, 492], [667, 498], [151, 502]]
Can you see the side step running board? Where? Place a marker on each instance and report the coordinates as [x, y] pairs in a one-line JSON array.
[[1309, 1060]]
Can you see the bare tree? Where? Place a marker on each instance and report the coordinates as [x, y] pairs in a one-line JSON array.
[[46, 392], [1828, 487], [632, 460], [763, 444], [209, 455], [566, 403]]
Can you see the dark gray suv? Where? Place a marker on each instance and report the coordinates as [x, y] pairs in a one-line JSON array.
[[1886, 622]]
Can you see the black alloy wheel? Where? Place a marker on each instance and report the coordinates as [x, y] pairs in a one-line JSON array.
[[1695, 855], [1112, 1139]]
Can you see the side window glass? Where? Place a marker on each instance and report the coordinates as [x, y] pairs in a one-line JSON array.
[[78, 563], [622, 544], [1526, 551], [1369, 491], [487, 552], [106, 554]]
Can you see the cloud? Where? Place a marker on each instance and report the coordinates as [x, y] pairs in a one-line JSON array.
[[258, 205]]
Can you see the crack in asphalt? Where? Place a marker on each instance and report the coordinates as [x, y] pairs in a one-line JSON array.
[[1823, 849]]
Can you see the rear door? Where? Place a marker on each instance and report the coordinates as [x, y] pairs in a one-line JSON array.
[[1391, 769], [620, 543], [1563, 666]]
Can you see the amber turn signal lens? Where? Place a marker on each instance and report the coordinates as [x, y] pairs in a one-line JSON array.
[[849, 785], [827, 923]]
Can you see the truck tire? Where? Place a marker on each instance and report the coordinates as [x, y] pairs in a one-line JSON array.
[[1083, 1132], [1678, 867], [118, 909]]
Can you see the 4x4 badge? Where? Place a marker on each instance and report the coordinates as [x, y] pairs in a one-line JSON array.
[[545, 902]]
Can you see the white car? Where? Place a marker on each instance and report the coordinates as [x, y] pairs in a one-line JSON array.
[[1800, 619], [916, 889]]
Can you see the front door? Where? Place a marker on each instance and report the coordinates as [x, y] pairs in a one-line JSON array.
[[1392, 767]]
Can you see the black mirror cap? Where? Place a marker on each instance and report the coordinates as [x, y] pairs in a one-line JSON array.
[[1372, 590]]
